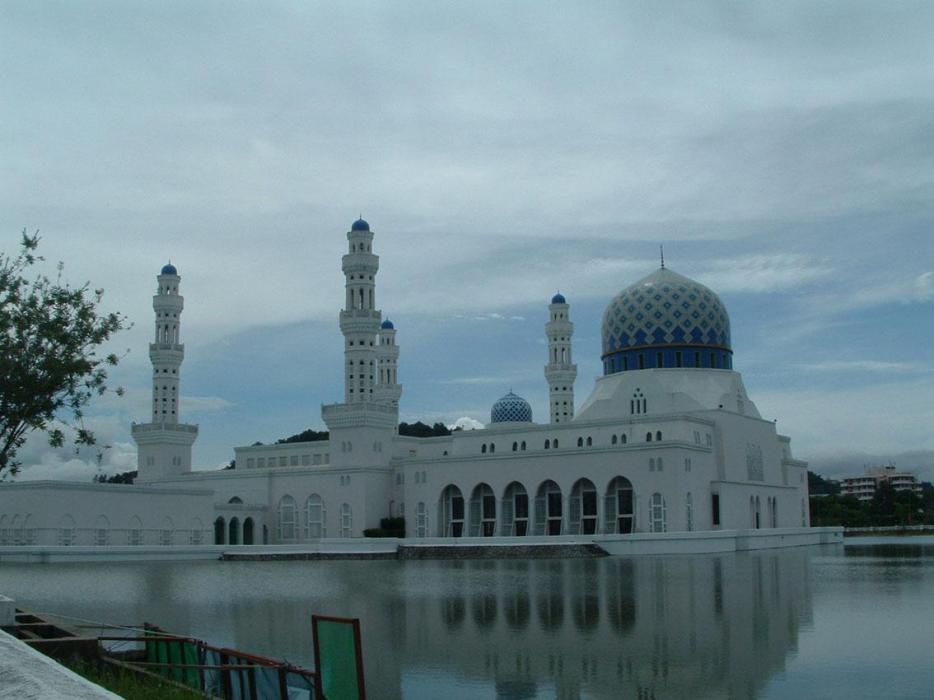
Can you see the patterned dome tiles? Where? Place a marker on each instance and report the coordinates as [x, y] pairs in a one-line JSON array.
[[665, 308]]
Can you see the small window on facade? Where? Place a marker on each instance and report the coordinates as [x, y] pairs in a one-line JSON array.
[[659, 359], [624, 438], [678, 359], [658, 435], [515, 447], [555, 444], [483, 449], [648, 437], [613, 440], [641, 360], [492, 447], [580, 442], [589, 442], [522, 447], [547, 444]]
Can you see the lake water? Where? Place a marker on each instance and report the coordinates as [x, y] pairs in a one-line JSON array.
[[839, 621]]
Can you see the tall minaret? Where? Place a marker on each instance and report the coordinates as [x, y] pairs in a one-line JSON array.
[[560, 370], [388, 389], [165, 444], [360, 318]]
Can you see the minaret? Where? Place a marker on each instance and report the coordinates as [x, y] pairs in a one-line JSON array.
[[560, 370], [165, 444], [388, 389], [360, 318]]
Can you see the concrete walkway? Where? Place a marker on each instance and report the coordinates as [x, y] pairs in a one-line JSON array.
[[26, 674]]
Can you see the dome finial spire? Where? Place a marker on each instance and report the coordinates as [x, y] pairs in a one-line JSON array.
[[661, 252]]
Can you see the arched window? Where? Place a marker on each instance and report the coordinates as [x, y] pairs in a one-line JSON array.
[[657, 514], [314, 517], [196, 533], [589, 442], [515, 511], [220, 531], [515, 447], [135, 531], [101, 531], [648, 437], [619, 506], [613, 440], [492, 447], [285, 523], [346, 520], [689, 512], [452, 512], [547, 444], [66, 531], [583, 508], [522, 446], [483, 448], [658, 435], [421, 520], [623, 438], [548, 509], [167, 533], [555, 443], [482, 512], [758, 514], [637, 404], [236, 500], [580, 442]]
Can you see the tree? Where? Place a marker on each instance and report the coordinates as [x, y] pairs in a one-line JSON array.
[[50, 336]]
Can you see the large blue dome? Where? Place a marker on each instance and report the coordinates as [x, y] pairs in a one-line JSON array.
[[511, 409], [360, 225], [169, 270], [666, 320], [387, 325]]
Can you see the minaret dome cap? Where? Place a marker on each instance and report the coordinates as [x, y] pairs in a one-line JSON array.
[[169, 269], [360, 225], [558, 299], [387, 325]]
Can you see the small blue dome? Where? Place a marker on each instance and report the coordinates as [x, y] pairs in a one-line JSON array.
[[360, 225], [387, 325], [169, 269], [558, 299], [511, 409]]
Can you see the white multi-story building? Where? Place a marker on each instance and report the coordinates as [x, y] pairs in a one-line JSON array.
[[668, 440], [864, 487]]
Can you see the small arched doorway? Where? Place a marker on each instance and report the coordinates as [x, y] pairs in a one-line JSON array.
[[583, 506], [452, 512], [234, 531], [619, 506], [220, 530], [248, 531]]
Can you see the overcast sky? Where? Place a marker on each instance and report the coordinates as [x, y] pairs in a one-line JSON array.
[[782, 152]]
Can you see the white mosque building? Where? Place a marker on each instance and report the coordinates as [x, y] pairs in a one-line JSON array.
[[667, 441]]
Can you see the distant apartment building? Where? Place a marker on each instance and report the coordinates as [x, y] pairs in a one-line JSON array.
[[864, 487]]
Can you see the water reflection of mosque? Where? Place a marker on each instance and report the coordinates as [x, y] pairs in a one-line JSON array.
[[660, 627]]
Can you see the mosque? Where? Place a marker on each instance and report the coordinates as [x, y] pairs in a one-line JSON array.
[[667, 441]]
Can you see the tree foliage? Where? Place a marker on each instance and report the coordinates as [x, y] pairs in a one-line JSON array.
[[305, 436], [121, 478], [423, 430], [50, 369]]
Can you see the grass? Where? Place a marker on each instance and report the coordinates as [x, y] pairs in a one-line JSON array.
[[129, 685]]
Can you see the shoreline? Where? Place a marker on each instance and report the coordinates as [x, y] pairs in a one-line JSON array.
[[564, 546]]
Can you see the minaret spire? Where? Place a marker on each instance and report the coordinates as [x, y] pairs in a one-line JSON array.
[[560, 372], [165, 444]]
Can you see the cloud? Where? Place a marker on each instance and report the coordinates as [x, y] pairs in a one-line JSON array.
[[864, 366], [466, 423], [762, 272]]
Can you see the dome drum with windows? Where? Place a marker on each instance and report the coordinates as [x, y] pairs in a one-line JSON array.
[[666, 320], [511, 409]]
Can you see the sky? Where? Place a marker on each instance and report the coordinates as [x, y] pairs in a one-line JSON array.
[[783, 153]]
